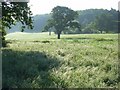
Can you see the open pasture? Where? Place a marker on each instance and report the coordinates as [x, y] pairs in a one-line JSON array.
[[35, 60]]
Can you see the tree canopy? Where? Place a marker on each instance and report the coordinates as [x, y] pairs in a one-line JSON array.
[[13, 12], [62, 19]]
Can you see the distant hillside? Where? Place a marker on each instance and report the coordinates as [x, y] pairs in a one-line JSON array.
[[86, 17], [39, 21]]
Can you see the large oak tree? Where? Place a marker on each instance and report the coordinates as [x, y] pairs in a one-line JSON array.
[[62, 18]]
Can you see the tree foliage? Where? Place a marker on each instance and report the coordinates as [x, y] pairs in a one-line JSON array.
[[13, 12], [102, 19], [106, 22], [62, 18]]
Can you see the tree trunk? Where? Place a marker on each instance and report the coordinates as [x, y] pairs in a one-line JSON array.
[[58, 35], [3, 37], [49, 32]]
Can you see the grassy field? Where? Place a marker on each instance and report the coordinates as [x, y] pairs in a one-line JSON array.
[[38, 60]]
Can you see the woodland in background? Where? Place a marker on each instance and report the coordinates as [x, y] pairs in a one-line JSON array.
[[91, 20]]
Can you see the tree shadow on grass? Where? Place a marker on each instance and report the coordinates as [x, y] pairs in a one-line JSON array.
[[27, 69]]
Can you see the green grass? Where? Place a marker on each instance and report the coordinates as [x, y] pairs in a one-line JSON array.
[[81, 60]]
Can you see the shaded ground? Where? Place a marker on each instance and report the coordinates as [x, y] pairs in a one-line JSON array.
[[28, 69]]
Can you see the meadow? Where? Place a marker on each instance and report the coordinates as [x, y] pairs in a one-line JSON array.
[[37, 60]]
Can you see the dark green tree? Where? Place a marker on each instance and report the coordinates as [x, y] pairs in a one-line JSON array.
[[107, 21], [90, 28], [62, 18], [49, 26], [101, 22], [13, 12]]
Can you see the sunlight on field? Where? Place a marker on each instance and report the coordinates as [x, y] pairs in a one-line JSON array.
[[39, 36], [81, 60], [28, 36]]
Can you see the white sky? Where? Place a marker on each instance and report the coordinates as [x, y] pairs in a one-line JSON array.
[[45, 6]]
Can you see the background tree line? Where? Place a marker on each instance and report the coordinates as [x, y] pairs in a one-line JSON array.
[[99, 21], [91, 21]]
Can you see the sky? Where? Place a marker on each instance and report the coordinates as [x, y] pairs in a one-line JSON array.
[[46, 6]]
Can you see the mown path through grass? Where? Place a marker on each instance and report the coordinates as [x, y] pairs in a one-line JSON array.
[[39, 60]]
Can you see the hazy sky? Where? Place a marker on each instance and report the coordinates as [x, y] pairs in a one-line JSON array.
[[45, 6]]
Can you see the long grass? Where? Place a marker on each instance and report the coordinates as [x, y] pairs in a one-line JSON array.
[[75, 61]]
